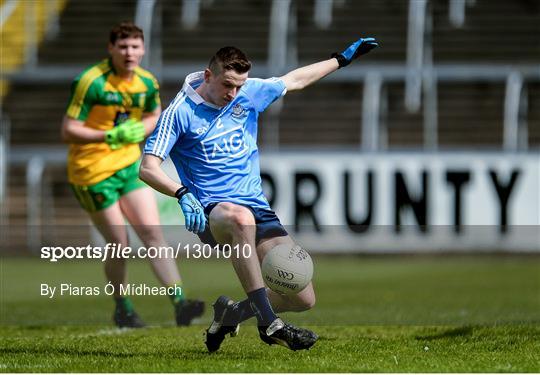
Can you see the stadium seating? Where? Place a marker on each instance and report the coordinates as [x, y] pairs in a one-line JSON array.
[[494, 32], [243, 24], [84, 31], [470, 114]]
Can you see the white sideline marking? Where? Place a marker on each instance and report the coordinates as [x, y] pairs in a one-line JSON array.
[[103, 332], [109, 332]]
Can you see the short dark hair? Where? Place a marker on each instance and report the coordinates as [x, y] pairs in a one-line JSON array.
[[229, 58], [124, 30]]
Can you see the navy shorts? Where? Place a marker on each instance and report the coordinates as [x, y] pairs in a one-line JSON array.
[[267, 222]]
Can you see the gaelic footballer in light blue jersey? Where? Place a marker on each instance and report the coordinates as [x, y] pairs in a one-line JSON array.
[[215, 149], [210, 133]]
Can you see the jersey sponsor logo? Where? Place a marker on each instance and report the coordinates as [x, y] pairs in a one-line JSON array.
[[228, 144], [121, 117]]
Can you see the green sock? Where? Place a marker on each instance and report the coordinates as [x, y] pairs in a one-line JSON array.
[[124, 303], [178, 295]]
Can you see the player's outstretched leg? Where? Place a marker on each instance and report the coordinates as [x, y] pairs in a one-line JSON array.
[[235, 224], [279, 332], [220, 327], [140, 208], [110, 223]]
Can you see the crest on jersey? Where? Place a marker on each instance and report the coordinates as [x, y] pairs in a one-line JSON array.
[[238, 110]]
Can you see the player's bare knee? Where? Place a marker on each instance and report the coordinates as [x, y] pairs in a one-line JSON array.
[[242, 220], [150, 236], [305, 303], [237, 217], [310, 303]]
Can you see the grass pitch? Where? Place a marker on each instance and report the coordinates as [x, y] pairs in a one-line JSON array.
[[388, 314]]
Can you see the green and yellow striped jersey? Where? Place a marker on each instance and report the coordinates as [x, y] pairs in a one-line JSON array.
[[103, 100]]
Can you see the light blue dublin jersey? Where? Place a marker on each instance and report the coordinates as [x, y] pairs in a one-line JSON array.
[[215, 149]]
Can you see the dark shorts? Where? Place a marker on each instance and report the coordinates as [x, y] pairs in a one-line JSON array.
[[267, 222]]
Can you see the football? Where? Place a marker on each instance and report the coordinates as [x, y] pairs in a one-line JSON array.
[[286, 269]]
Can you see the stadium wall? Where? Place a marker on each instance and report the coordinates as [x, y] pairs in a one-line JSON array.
[[404, 201]]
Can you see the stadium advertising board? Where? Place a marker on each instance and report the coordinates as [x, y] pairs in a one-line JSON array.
[[406, 202]]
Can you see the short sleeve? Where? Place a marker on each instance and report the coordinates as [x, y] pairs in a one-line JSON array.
[[167, 131], [152, 98], [84, 94], [264, 92]]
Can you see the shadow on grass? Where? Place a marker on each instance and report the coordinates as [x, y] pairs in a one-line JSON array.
[[187, 354], [224, 353], [75, 352], [454, 332], [327, 338]]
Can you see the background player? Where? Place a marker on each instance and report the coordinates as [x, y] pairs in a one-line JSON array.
[[114, 105], [210, 132]]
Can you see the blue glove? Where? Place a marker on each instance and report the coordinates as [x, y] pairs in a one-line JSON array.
[[193, 211], [360, 47]]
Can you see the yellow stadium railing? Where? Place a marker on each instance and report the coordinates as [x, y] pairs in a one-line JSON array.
[[23, 25]]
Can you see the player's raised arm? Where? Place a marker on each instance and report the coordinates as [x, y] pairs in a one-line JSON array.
[[305, 76]]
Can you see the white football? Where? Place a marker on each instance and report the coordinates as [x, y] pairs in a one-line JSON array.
[[286, 269]]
